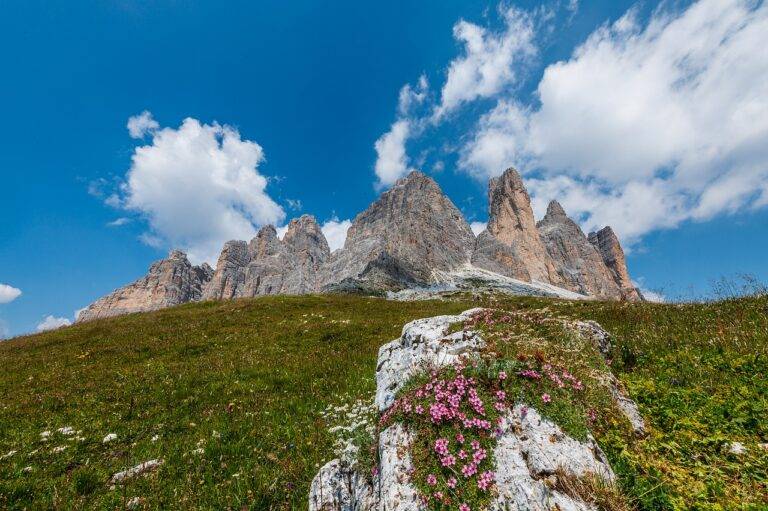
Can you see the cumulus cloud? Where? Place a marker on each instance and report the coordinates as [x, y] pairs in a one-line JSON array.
[[52, 323], [489, 60], [392, 160], [647, 124], [198, 186], [335, 232], [139, 125], [486, 66], [478, 227], [8, 293]]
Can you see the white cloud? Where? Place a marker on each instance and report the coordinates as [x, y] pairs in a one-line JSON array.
[[478, 227], [118, 222], [410, 96], [139, 125], [8, 293], [392, 160], [486, 67], [198, 186], [5, 332], [52, 323], [646, 125], [489, 60], [651, 296], [335, 232]]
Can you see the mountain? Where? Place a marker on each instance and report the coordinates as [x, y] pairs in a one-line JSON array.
[[579, 264], [411, 238], [171, 281], [511, 244], [412, 230], [268, 265]]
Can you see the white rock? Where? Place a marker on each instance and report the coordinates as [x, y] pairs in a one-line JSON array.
[[109, 438], [736, 448], [396, 492], [422, 344], [134, 503], [139, 469], [529, 449], [27, 469], [337, 487], [8, 454], [545, 447]]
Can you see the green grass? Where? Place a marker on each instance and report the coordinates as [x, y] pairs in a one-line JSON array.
[[246, 381]]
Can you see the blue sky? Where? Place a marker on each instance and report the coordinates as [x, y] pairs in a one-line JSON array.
[[651, 118]]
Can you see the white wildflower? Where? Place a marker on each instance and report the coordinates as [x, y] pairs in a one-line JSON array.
[[109, 438], [8, 455], [58, 449], [66, 431]]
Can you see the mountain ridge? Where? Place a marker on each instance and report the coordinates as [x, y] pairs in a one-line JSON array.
[[403, 240]]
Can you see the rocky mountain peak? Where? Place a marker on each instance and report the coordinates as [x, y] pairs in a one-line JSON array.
[[607, 244], [512, 245], [170, 281], [411, 230], [555, 212], [305, 234], [578, 262]]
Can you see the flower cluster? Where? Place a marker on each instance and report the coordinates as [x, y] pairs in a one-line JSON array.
[[454, 412]]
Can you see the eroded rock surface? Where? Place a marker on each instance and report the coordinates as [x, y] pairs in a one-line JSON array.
[[511, 223], [268, 265], [530, 448], [170, 281], [578, 262], [607, 244], [406, 234]]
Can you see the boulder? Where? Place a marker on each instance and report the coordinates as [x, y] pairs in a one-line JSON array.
[[529, 451]]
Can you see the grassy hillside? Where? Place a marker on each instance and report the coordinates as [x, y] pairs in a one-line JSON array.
[[230, 394]]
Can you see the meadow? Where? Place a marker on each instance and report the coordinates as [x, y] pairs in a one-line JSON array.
[[230, 396]]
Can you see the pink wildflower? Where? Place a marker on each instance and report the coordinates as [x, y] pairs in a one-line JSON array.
[[485, 480], [464, 507], [431, 479], [502, 375], [451, 482], [448, 461], [546, 398], [460, 438]]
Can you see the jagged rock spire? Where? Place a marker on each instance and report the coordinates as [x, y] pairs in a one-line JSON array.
[[579, 264], [411, 230], [607, 244], [514, 247]]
